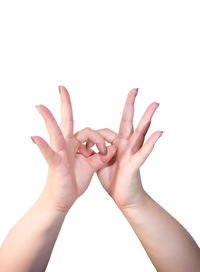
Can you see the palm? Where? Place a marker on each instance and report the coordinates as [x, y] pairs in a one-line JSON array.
[[107, 175], [121, 177], [70, 168], [70, 183]]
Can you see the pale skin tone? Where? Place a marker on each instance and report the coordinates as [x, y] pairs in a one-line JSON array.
[[169, 246], [30, 242]]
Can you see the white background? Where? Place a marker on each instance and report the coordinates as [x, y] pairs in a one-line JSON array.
[[100, 50]]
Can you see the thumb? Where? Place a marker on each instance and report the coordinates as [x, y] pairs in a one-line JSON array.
[[99, 160]]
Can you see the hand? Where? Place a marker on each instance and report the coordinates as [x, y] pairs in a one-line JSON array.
[[69, 172], [121, 176]]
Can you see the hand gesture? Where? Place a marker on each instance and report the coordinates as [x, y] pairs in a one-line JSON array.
[[120, 176], [69, 171]]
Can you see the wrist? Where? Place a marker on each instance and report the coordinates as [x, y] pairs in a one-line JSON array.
[[135, 209], [130, 195], [45, 204], [57, 199]]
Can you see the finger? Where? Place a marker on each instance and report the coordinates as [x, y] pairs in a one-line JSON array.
[[89, 134], [98, 160], [108, 135], [57, 140], [48, 153], [126, 124], [137, 139], [142, 154], [67, 122], [84, 151]]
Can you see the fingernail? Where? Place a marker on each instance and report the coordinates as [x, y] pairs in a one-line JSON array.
[[161, 133], [136, 92], [59, 88], [33, 140], [157, 105]]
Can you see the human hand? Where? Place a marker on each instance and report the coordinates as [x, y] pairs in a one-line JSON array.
[[70, 165], [121, 176]]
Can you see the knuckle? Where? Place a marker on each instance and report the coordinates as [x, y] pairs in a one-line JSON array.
[[87, 129]]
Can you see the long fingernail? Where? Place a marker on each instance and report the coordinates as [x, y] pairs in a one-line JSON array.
[[33, 140]]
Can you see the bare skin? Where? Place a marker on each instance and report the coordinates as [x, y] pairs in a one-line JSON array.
[[29, 244], [71, 166], [169, 246], [121, 177]]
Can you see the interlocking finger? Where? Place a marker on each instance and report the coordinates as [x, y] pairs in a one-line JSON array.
[[87, 134]]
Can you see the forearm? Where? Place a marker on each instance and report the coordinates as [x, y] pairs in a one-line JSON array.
[[28, 246], [169, 246]]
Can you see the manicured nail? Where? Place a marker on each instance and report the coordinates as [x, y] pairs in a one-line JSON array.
[[33, 140]]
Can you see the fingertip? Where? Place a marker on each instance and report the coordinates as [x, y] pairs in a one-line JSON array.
[[42, 107], [133, 93], [86, 145], [156, 104], [159, 134], [112, 148], [102, 148], [32, 138], [111, 151], [39, 141], [37, 107], [154, 137], [89, 144], [64, 88]]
